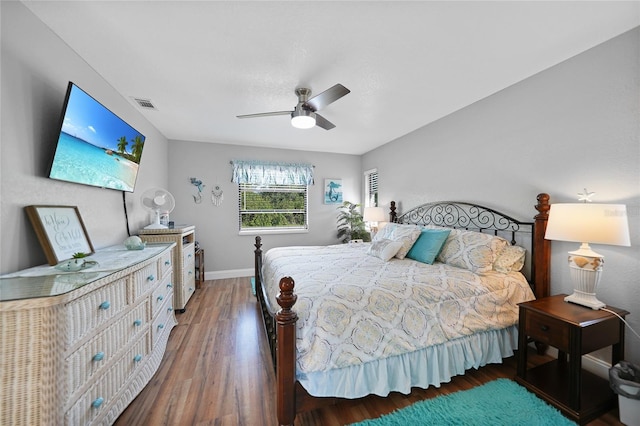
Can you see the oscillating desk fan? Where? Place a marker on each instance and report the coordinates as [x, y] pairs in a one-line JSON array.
[[158, 201]]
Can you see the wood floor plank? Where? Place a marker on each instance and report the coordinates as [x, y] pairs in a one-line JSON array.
[[217, 372]]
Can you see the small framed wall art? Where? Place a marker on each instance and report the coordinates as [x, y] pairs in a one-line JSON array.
[[333, 191], [60, 231]]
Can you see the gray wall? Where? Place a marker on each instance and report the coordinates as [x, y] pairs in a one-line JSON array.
[[226, 252], [36, 67], [569, 127]]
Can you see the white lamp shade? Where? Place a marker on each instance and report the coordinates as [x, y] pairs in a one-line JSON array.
[[374, 214], [589, 223]]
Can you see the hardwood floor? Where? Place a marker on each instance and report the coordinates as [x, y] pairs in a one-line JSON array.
[[217, 371]]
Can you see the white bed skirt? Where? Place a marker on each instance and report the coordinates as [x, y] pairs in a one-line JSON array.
[[428, 367]]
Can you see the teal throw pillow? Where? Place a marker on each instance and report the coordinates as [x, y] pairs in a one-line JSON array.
[[428, 245]]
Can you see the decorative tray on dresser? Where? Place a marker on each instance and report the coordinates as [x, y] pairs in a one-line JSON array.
[[183, 259], [76, 348]]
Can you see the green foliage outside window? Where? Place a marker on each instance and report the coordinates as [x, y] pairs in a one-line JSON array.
[[273, 207]]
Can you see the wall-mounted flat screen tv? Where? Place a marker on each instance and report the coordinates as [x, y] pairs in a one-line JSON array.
[[95, 146]]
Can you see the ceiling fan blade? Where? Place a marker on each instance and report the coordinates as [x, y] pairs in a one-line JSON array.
[[323, 122], [265, 114], [328, 96]]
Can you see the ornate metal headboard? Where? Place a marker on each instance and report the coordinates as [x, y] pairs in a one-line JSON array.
[[474, 217], [456, 214]]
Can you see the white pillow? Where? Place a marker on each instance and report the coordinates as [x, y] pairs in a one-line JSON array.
[[384, 233], [384, 249]]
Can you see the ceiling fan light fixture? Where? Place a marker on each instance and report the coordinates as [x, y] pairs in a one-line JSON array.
[[303, 119]]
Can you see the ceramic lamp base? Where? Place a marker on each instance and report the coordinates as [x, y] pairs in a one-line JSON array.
[[585, 273], [585, 299]]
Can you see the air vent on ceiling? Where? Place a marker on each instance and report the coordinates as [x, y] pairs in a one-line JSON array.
[[144, 103]]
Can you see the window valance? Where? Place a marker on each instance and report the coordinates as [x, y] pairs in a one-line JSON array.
[[271, 173]]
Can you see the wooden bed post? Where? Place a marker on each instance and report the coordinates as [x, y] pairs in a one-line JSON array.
[[542, 254], [393, 216], [258, 264], [286, 353], [541, 257]]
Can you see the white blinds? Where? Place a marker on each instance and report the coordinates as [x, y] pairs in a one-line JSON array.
[[371, 188]]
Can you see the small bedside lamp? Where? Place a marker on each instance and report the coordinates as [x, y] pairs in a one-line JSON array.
[[373, 215], [587, 223]]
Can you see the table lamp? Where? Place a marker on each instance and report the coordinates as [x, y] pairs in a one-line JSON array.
[[373, 215], [587, 223]]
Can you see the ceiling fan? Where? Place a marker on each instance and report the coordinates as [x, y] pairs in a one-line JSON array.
[[304, 115]]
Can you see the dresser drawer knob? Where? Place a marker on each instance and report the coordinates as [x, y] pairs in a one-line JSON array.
[[99, 356], [160, 298], [544, 328], [137, 323], [97, 402], [169, 285], [137, 358], [151, 277], [170, 308], [167, 262], [160, 326], [105, 305]]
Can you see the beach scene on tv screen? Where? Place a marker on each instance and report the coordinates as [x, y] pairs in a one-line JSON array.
[[96, 147]]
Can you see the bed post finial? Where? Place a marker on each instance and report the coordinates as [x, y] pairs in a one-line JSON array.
[[393, 216], [543, 205], [286, 299], [542, 255], [286, 353]]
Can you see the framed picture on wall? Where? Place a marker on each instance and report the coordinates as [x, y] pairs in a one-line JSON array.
[[60, 231], [333, 191]]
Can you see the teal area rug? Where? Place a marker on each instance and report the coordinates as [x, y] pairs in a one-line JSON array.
[[500, 402]]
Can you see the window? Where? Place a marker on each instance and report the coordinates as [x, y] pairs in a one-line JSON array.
[[371, 188], [273, 207], [272, 196]]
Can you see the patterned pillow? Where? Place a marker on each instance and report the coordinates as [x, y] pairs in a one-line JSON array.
[[471, 250], [407, 235], [384, 249], [510, 259]]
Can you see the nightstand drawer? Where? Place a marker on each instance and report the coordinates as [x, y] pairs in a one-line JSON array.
[[548, 330]]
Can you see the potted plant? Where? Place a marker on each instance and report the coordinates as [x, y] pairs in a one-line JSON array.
[[351, 224]]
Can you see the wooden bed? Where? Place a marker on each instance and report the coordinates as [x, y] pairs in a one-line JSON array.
[[281, 327]]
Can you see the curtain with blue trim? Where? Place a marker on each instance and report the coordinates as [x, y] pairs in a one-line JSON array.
[[263, 173]]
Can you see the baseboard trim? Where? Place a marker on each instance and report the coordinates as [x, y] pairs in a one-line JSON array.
[[230, 273]]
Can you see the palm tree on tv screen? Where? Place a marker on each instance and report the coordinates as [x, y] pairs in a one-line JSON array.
[[122, 144], [136, 149]]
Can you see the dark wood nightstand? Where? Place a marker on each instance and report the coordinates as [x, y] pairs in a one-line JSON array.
[[199, 266], [574, 330]]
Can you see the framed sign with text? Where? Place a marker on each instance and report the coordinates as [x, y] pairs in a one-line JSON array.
[[60, 231]]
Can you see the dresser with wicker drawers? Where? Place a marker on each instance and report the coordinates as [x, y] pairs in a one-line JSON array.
[[183, 259], [76, 349]]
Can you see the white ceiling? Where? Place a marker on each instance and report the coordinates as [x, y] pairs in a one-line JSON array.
[[407, 64]]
